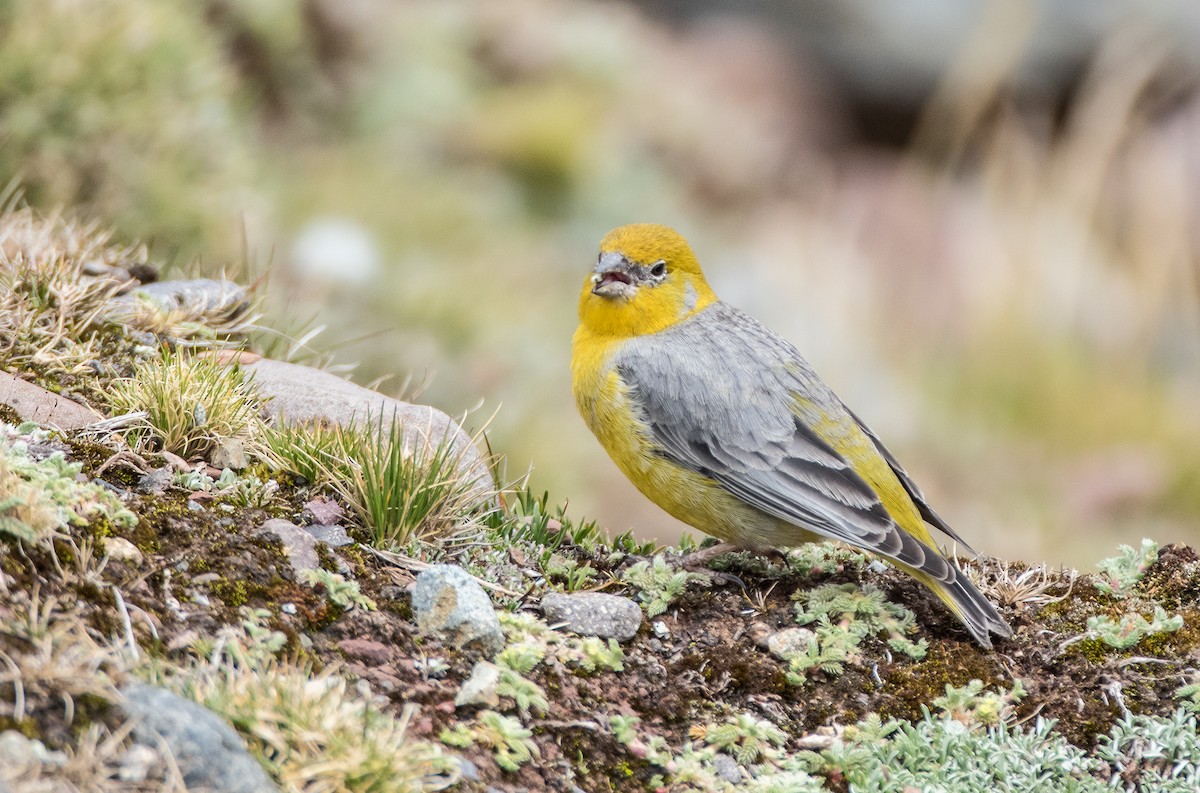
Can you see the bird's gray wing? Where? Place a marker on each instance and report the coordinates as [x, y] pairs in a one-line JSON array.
[[918, 497], [714, 392]]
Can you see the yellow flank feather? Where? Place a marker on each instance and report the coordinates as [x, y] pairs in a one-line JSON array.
[[849, 440], [724, 425], [604, 403]]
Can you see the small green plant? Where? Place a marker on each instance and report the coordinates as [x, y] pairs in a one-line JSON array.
[[527, 694], [338, 589], [825, 558], [658, 584], [575, 576], [246, 490], [746, 738], [973, 706], [529, 519], [1121, 573], [1162, 754], [511, 741], [41, 497], [1131, 628], [190, 404], [943, 754], [1189, 697], [842, 615], [530, 640]]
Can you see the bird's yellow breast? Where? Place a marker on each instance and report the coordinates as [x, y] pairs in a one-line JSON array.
[[609, 410]]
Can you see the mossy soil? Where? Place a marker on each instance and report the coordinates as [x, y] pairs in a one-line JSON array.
[[205, 562]]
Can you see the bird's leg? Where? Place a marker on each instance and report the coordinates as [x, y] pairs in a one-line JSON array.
[[703, 557], [697, 562]]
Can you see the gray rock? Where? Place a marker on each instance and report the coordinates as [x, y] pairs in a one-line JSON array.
[[789, 642], [18, 753], [300, 546], [333, 536], [467, 770], [448, 602], [209, 296], [300, 393], [209, 753], [727, 768], [480, 687], [594, 614], [157, 481], [229, 453]]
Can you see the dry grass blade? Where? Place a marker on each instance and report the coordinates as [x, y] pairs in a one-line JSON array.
[[50, 302]]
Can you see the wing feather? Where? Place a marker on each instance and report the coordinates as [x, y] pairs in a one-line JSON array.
[[723, 411]]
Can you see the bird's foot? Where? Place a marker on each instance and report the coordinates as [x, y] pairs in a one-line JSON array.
[[697, 563]]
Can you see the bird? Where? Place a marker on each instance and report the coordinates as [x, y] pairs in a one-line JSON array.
[[723, 424]]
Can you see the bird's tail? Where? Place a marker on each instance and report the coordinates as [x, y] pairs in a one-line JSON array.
[[973, 610]]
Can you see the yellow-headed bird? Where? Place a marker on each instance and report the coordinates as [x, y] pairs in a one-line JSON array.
[[723, 424]]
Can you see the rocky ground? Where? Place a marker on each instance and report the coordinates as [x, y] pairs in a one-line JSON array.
[[220, 621]]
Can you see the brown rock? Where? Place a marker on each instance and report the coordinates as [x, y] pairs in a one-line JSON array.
[[370, 652], [34, 403]]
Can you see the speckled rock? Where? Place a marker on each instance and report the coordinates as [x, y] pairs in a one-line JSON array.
[[209, 753], [480, 687], [449, 603], [300, 545], [789, 642], [594, 614]]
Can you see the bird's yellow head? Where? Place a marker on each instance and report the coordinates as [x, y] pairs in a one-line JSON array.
[[645, 280]]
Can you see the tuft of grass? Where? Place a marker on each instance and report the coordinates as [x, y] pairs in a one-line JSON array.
[[313, 732], [51, 310], [309, 450], [400, 491], [191, 404]]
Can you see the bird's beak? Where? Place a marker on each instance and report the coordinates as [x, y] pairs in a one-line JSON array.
[[613, 277]]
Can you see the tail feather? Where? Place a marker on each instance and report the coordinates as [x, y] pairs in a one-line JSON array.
[[974, 611]]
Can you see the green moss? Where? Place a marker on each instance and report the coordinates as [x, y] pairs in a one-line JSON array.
[[233, 593], [908, 689]]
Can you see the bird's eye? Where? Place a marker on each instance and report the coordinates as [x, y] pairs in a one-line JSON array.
[[659, 269]]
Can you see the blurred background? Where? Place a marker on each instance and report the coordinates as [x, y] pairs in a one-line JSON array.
[[980, 221]]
